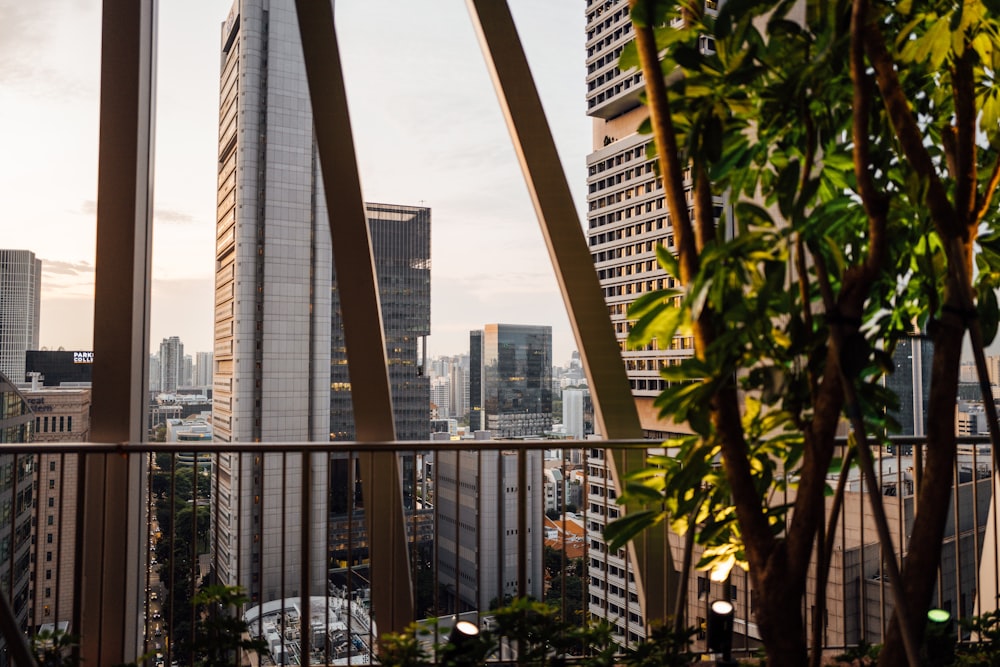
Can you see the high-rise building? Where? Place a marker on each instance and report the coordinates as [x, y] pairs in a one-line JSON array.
[[272, 312], [477, 420], [627, 221], [171, 364], [911, 382], [516, 379], [20, 309], [280, 359], [203, 369], [401, 245]]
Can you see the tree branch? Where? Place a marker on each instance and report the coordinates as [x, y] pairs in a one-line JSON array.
[[963, 86], [908, 131], [666, 148], [987, 196]]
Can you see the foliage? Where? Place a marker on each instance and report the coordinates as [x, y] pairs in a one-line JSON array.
[[850, 141], [221, 633], [984, 650], [539, 636]]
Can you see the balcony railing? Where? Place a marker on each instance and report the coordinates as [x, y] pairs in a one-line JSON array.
[[477, 534]]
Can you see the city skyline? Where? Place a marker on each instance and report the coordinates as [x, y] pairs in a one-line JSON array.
[[450, 152]]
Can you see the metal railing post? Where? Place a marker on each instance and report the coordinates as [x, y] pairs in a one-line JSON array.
[[614, 406], [364, 335], [112, 551]]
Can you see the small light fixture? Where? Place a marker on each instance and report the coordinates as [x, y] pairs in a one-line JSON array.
[[938, 640], [460, 650], [720, 630]]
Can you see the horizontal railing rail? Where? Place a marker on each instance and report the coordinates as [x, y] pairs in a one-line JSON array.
[[486, 521]]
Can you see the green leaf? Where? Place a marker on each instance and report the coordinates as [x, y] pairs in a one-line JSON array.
[[989, 315], [668, 261], [621, 531]]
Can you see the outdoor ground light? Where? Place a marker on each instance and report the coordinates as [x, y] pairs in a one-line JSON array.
[[938, 640], [720, 630], [461, 650]]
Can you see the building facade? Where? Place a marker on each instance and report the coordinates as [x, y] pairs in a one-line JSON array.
[[272, 303], [515, 380], [20, 309], [401, 244], [56, 367], [17, 489], [62, 414], [478, 531], [171, 364]]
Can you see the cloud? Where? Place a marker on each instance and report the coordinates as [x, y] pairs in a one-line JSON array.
[[59, 267], [172, 216], [88, 207]]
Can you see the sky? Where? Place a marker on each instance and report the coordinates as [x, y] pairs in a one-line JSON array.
[[428, 131]]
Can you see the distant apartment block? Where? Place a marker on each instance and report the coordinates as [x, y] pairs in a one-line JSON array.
[[20, 309], [171, 364]]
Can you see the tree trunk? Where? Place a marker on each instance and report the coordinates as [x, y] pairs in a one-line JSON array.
[[779, 614], [924, 552]]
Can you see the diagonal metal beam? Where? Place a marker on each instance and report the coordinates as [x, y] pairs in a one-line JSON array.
[[363, 332], [111, 529], [614, 406]]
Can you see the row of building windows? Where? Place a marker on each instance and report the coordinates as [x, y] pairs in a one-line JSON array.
[[65, 424]]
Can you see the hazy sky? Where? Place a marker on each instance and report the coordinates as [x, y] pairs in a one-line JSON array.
[[427, 127]]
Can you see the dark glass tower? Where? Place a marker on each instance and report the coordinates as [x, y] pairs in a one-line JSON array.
[[401, 244], [476, 419], [517, 379]]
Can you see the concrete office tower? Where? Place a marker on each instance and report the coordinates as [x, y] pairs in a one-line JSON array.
[[187, 376], [478, 496], [17, 482], [272, 312], [20, 308], [401, 244], [62, 414], [154, 373], [515, 379], [203, 369], [578, 413], [171, 364]]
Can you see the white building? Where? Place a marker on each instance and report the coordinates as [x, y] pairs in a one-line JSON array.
[[171, 364], [478, 529], [203, 369], [20, 308], [272, 312]]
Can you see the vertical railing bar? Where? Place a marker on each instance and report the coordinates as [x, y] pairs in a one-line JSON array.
[[194, 544], [147, 545], [364, 333], [958, 539], [522, 523], [327, 528], [882, 571], [351, 482], [260, 508], [63, 497], [900, 502], [305, 546], [169, 593], [282, 591], [975, 530], [435, 569], [563, 566]]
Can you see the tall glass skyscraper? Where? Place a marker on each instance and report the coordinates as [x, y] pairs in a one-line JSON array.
[[20, 308], [280, 362]]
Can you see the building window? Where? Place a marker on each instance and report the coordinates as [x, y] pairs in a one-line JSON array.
[[52, 464]]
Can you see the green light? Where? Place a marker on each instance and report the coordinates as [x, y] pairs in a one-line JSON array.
[[938, 616]]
